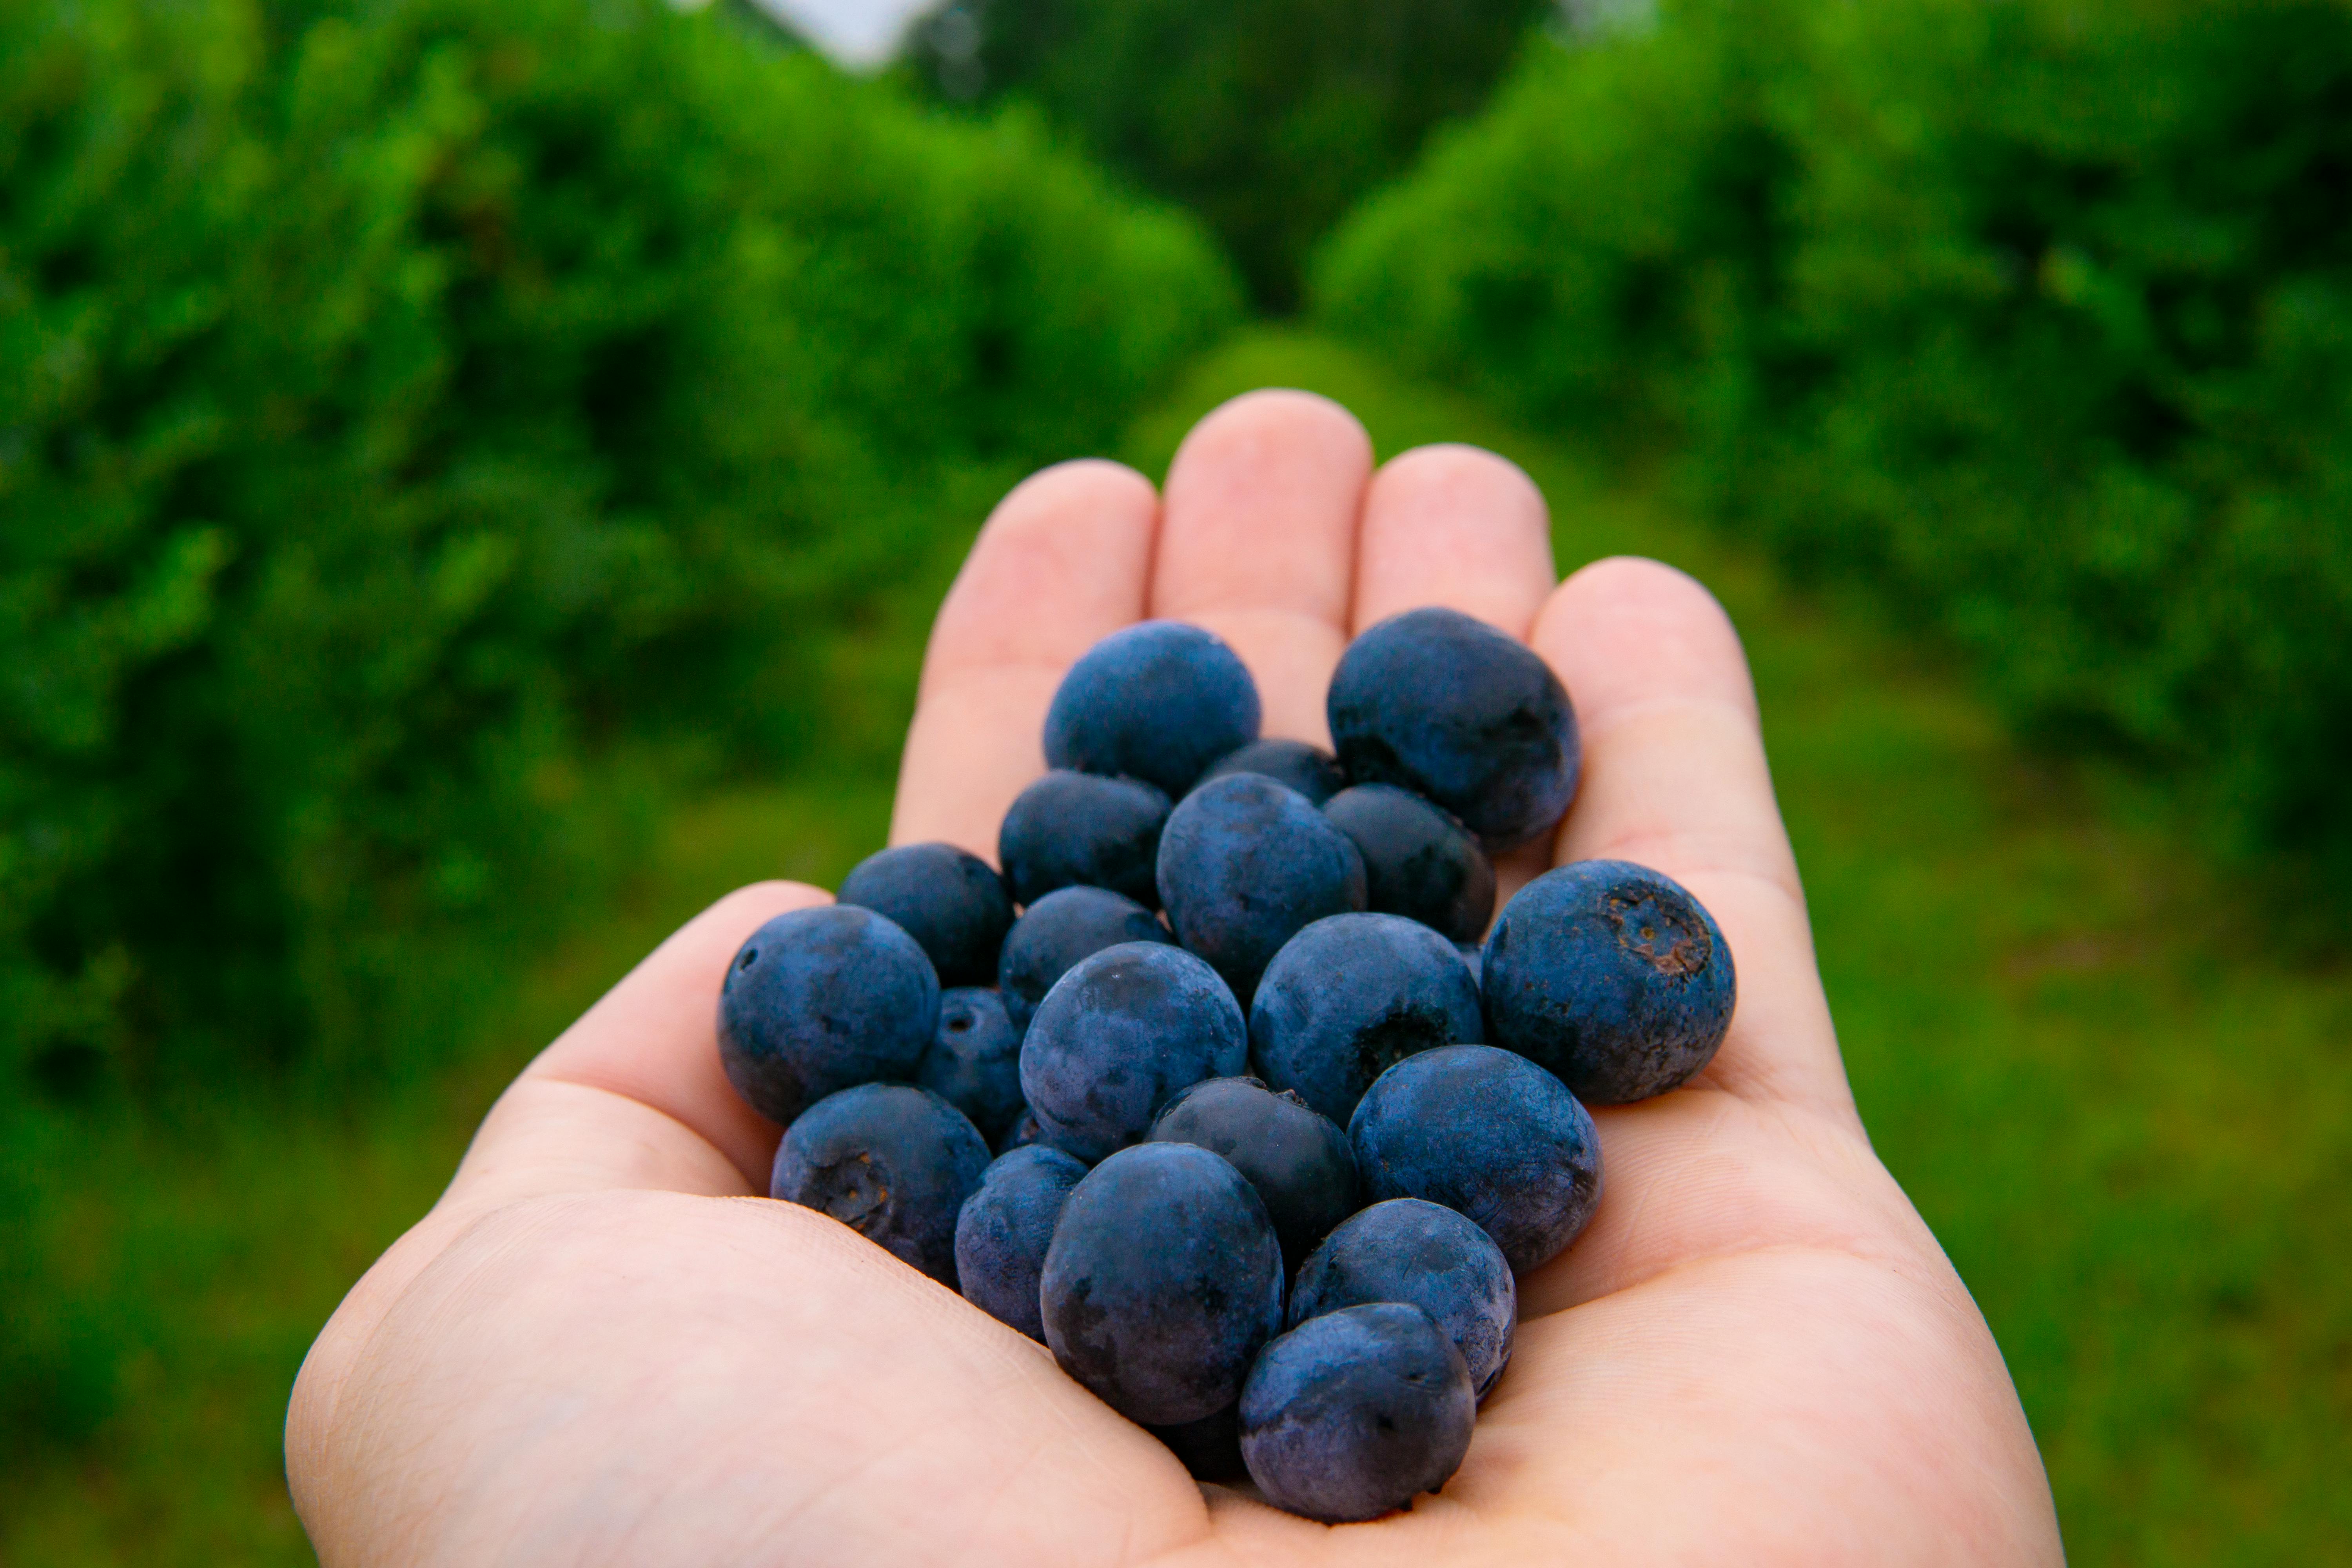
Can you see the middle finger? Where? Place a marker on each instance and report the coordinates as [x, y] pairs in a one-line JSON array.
[[1257, 542]]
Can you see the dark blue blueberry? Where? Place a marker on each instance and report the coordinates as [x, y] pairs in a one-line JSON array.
[[1448, 707], [1244, 864], [1211, 1447], [1418, 861], [974, 1060], [1611, 977], [1488, 1133], [1163, 1282], [1425, 1255], [1157, 701], [892, 1162], [1298, 1162], [1118, 1035], [1005, 1226], [1310, 770], [1057, 932], [1354, 1414], [953, 904], [818, 1000], [1024, 1132], [1080, 830], [1349, 997]]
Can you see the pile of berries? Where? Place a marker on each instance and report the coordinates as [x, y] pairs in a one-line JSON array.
[[1272, 1139]]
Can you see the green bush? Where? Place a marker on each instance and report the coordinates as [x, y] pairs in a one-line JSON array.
[[2037, 317], [1270, 120], [420, 419]]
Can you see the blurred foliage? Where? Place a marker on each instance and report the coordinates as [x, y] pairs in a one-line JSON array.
[[1269, 118], [428, 426], [2036, 318]]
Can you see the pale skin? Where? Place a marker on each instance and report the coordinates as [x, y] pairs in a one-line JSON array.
[[602, 1347]]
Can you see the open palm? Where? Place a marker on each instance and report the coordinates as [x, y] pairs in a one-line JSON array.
[[600, 1348]]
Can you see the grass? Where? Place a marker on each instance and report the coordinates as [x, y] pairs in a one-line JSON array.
[[2108, 1080]]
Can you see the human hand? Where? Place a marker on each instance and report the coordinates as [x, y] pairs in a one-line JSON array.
[[601, 1345]]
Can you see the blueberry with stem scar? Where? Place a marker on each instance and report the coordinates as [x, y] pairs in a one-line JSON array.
[[1612, 977], [893, 1163]]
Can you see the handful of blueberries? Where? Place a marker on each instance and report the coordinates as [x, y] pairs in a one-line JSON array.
[[1264, 1172]]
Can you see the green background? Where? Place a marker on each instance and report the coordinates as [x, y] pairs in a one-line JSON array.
[[451, 529]]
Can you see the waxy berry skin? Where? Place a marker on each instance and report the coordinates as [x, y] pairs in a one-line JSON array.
[[1354, 1414], [1352, 995], [1003, 1232], [1488, 1133], [974, 1059], [1310, 770], [1163, 1282], [952, 903], [1298, 1162], [819, 1000], [1445, 705], [1419, 862], [1158, 700], [1080, 830], [1245, 863], [1057, 932], [1610, 976], [893, 1163], [1119, 1037], [1429, 1256]]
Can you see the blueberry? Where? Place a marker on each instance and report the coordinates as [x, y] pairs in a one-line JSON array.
[[1613, 976], [1005, 1226], [1163, 1282], [1118, 1035], [1425, 1255], [818, 1000], [974, 1059], [1450, 708], [953, 904], [1298, 1162], [1157, 701], [1310, 770], [1024, 1132], [1486, 1133], [1211, 1447], [1418, 861], [1354, 1414], [1057, 932], [1244, 864], [1071, 830], [1351, 996], [892, 1162]]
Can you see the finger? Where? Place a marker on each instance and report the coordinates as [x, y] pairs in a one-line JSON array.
[[1457, 526], [632, 1095], [1674, 778], [1258, 544], [1062, 564]]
